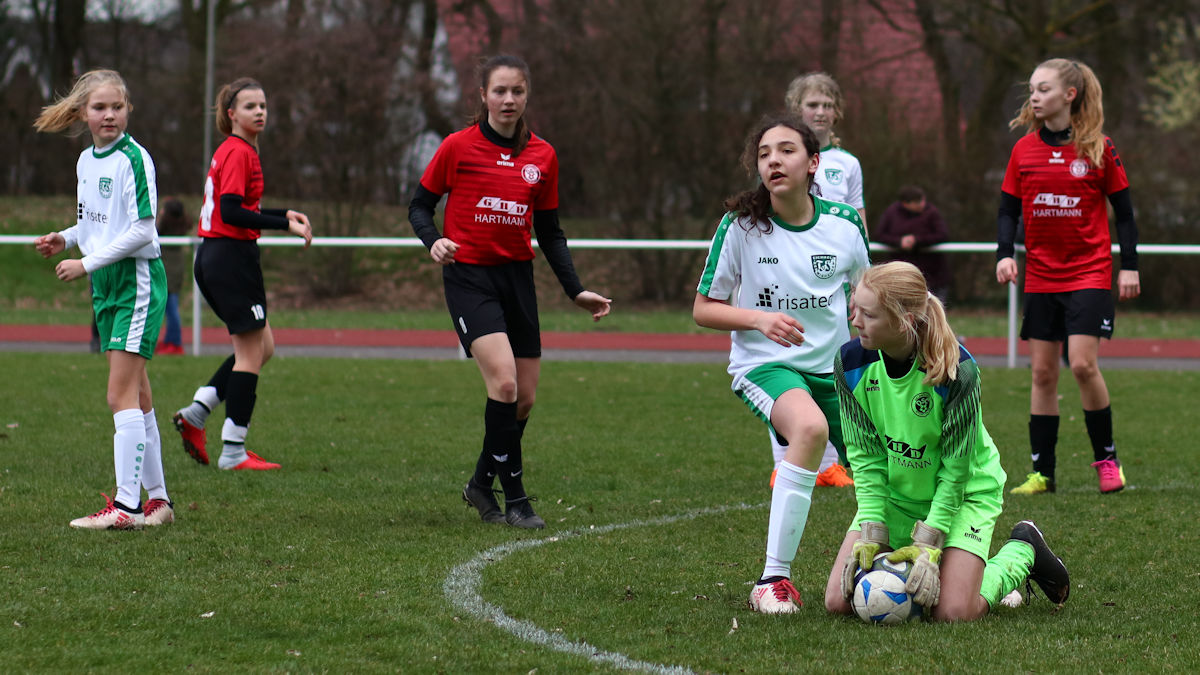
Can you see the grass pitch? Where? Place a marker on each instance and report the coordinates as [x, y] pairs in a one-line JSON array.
[[652, 479]]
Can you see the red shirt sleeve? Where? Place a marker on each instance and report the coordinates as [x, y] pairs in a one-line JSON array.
[[1012, 174], [438, 176], [547, 197], [1115, 179]]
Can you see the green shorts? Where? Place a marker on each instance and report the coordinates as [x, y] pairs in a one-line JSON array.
[[129, 298], [971, 529], [761, 387]]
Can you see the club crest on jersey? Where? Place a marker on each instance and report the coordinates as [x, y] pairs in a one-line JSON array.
[[531, 173], [834, 176], [1079, 168], [824, 265], [106, 187], [922, 403]]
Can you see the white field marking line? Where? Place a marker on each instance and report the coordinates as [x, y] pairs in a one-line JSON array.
[[462, 589]]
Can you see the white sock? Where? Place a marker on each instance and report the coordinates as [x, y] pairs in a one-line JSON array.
[[777, 450], [129, 443], [829, 458], [152, 477], [233, 448], [204, 401], [789, 513]]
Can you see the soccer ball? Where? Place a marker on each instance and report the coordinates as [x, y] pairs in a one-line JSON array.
[[879, 595]]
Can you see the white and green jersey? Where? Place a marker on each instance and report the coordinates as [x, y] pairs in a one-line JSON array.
[[840, 176], [118, 199], [805, 271], [915, 448]]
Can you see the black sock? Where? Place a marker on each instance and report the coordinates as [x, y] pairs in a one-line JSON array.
[[1099, 428], [1043, 437], [501, 442], [240, 404], [485, 473], [220, 379]]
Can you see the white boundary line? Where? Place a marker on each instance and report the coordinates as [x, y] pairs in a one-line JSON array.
[[462, 589]]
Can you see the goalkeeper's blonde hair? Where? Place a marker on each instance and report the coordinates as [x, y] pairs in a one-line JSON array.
[[903, 295]]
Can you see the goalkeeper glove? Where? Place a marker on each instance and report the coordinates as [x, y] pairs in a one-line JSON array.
[[862, 555], [924, 583]]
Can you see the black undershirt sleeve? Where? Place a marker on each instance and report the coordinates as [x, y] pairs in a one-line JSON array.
[[1006, 226], [1127, 234], [553, 243], [233, 213], [420, 215]]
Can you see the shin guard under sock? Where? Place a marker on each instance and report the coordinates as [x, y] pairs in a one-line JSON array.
[[1100, 432], [790, 502], [501, 444], [1043, 437]]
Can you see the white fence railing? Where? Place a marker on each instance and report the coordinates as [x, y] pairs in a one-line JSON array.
[[630, 244]]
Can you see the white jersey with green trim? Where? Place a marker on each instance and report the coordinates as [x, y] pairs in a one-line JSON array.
[[118, 199], [840, 176], [805, 271]]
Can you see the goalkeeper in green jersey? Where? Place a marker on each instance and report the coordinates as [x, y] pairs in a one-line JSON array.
[[927, 475]]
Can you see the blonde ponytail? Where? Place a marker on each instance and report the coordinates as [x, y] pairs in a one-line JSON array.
[[937, 343], [900, 289]]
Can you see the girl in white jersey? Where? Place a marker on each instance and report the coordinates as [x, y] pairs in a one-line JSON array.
[[778, 276], [817, 99], [116, 233]]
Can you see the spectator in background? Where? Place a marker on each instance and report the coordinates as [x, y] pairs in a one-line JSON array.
[[172, 223], [912, 224]]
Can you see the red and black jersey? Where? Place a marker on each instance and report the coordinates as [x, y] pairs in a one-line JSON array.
[[492, 195], [235, 169], [1063, 196]]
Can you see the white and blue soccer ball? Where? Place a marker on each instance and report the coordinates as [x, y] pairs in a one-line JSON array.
[[879, 595]]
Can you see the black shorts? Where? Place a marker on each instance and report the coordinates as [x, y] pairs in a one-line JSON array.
[[229, 274], [485, 299], [1054, 316]]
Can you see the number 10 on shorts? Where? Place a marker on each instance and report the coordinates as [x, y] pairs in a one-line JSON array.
[[258, 312]]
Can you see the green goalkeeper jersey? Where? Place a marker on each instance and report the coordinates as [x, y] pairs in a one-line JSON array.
[[916, 448]]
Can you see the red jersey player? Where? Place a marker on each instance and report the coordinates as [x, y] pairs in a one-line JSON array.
[[1058, 178], [229, 274], [503, 186]]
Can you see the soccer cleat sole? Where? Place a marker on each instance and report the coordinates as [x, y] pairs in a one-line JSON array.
[[185, 429], [1048, 571]]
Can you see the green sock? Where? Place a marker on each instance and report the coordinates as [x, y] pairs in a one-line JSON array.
[[1006, 570]]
